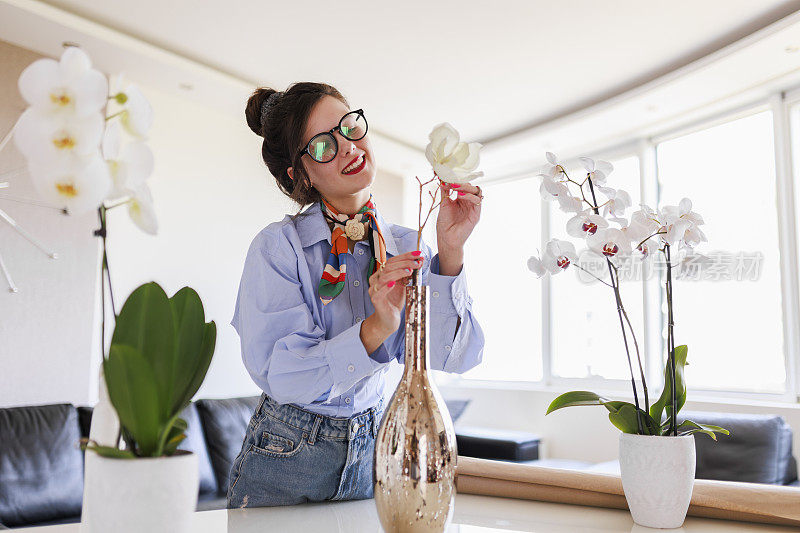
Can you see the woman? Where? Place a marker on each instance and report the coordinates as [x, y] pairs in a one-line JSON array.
[[321, 299]]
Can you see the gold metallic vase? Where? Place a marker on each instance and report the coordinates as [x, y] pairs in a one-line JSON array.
[[415, 452]]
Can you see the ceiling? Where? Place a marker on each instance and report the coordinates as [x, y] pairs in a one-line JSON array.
[[489, 68]]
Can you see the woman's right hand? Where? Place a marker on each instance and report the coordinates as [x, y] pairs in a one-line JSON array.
[[387, 292]]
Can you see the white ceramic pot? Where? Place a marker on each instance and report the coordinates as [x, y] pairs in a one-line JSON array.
[[157, 495], [657, 477]]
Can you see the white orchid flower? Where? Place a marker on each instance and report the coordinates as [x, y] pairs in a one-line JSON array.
[[558, 255], [618, 201], [552, 189], [585, 223], [598, 171], [141, 209], [609, 242], [65, 87], [536, 266], [643, 226], [682, 224], [570, 204], [137, 117], [553, 167], [129, 166], [452, 161], [80, 185], [46, 138]]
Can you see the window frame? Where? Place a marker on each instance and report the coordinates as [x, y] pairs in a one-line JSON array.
[[787, 169]]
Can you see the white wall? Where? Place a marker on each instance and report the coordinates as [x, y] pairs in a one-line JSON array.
[[212, 195]]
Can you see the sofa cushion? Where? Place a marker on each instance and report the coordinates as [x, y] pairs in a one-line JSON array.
[[225, 423], [85, 420], [758, 450], [195, 442], [41, 464]]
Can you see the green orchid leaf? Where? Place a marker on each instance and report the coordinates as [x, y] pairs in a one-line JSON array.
[[665, 400], [106, 451], [623, 416], [190, 353], [688, 427], [146, 323], [133, 393], [575, 398], [176, 435], [201, 363]]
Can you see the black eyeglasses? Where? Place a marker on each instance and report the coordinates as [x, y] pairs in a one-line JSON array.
[[323, 146]]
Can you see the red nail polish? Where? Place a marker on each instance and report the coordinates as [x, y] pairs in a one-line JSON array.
[[390, 284], [461, 193], [416, 253], [455, 185]]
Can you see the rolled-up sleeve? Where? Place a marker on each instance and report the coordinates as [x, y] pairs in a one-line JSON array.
[[284, 350], [455, 338]]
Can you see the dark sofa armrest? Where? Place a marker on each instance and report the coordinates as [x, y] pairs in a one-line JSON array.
[[502, 444]]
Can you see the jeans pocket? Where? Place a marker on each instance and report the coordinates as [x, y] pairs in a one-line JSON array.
[[278, 439]]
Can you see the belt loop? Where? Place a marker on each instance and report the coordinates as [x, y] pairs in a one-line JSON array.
[[260, 406], [314, 430], [375, 422]]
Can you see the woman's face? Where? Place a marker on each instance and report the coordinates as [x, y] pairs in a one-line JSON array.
[[329, 178]]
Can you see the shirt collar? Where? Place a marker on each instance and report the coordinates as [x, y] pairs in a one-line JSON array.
[[313, 228]]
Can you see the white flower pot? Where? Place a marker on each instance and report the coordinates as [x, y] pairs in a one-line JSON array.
[[157, 495], [657, 477]]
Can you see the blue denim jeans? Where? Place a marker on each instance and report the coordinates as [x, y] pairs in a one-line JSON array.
[[290, 456]]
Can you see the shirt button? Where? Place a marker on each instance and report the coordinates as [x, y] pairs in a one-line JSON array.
[[356, 283], [359, 319], [448, 347], [435, 294], [347, 400], [361, 251], [350, 368]]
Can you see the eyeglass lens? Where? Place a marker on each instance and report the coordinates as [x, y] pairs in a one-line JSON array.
[[323, 146]]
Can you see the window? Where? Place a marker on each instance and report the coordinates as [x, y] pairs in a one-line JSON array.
[[732, 315], [507, 297], [731, 319], [586, 337]]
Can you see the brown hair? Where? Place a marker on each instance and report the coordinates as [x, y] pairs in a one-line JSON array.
[[283, 130]]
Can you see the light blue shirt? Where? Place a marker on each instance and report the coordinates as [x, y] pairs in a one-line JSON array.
[[302, 352]]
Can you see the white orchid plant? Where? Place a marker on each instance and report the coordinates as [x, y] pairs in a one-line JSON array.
[[647, 230], [452, 161], [85, 145]]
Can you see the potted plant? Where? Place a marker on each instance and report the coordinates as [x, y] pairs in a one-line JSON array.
[[160, 352], [85, 147], [654, 445]]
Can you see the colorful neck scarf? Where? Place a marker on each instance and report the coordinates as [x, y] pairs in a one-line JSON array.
[[355, 227]]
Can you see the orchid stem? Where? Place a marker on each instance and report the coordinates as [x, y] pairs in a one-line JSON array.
[[673, 420], [620, 308], [604, 282]]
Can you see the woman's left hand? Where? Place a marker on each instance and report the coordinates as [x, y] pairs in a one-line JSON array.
[[457, 218]]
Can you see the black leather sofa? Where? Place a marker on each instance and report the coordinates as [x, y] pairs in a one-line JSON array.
[[41, 465]]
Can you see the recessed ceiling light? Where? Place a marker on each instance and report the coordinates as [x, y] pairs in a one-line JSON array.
[[186, 86], [791, 49]]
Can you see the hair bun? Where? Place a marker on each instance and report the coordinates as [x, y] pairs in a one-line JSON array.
[[257, 108]]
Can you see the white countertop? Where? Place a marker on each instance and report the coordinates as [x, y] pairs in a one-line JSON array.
[[473, 514]]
